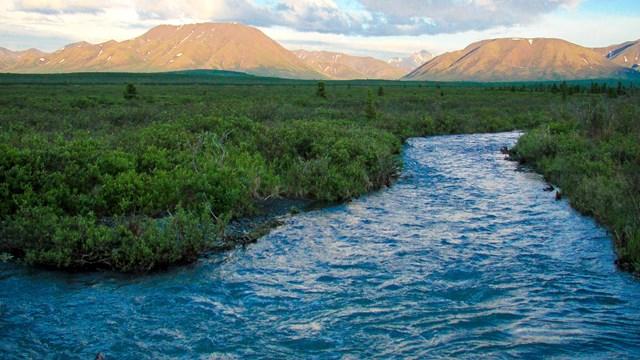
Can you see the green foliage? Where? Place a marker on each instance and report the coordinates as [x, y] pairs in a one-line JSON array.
[[594, 156], [102, 182], [331, 161], [130, 92], [370, 107], [536, 144], [132, 244], [321, 91]]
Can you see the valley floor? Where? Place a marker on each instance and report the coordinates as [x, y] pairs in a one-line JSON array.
[[101, 175]]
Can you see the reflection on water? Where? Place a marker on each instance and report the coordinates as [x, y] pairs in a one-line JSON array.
[[463, 256]]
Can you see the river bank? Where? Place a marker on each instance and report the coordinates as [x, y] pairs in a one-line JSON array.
[[464, 256], [593, 153], [89, 179], [268, 215]]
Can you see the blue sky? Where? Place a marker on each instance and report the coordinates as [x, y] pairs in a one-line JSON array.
[[618, 7], [379, 28]]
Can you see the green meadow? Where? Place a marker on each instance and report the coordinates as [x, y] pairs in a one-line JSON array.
[[98, 174]]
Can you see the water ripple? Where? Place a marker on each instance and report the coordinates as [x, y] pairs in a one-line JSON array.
[[462, 257]]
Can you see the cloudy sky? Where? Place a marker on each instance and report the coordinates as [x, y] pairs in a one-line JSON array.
[[380, 28]]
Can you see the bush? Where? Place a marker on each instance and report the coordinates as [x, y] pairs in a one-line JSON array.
[[596, 161], [98, 181], [130, 92], [331, 160]]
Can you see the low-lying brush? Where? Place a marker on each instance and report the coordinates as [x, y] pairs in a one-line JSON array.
[[592, 152], [89, 179]]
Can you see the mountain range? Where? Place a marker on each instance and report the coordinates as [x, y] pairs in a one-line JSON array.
[[625, 54], [518, 59], [411, 62], [236, 47], [232, 47], [341, 66]]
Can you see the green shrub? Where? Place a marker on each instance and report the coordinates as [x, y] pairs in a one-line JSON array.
[[595, 159], [130, 92], [99, 181]]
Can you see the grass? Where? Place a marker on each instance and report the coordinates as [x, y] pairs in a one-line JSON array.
[[89, 179], [591, 150]]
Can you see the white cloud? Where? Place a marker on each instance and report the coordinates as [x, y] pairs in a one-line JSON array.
[[353, 17], [60, 6], [51, 28], [450, 16], [360, 27], [304, 15], [192, 9], [571, 4], [487, 4], [361, 17]]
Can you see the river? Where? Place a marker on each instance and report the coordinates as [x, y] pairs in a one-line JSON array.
[[464, 256]]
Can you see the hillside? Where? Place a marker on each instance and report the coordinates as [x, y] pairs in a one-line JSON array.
[[411, 62], [10, 58], [232, 47], [240, 48], [340, 66], [626, 54], [518, 60], [7, 57]]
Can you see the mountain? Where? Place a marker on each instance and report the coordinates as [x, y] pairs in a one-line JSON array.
[[10, 58], [411, 62], [518, 60], [340, 66], [239, 48], [626, 54], [232, 47], [7, 57]]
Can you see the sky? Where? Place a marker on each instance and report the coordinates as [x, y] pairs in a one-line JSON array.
[[378, 28]]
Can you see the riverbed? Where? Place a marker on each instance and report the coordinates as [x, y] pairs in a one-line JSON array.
[[464, 256]]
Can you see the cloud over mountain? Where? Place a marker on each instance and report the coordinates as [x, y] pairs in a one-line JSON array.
[[451, 16], [51, 7], [351, 17]]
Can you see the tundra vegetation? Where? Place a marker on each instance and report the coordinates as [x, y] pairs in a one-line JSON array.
[[90, 178], [591, 150]]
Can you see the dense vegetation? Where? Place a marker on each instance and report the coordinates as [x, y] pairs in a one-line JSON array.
[[591, 149], [136, 177]]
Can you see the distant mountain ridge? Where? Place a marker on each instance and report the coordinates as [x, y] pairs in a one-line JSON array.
[[411, 62], [9, 58], [626, 54], [232, 47], [341, 66], [517, 59], [240, 48]]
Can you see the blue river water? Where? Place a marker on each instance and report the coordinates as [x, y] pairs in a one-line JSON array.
[[464, 256]]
